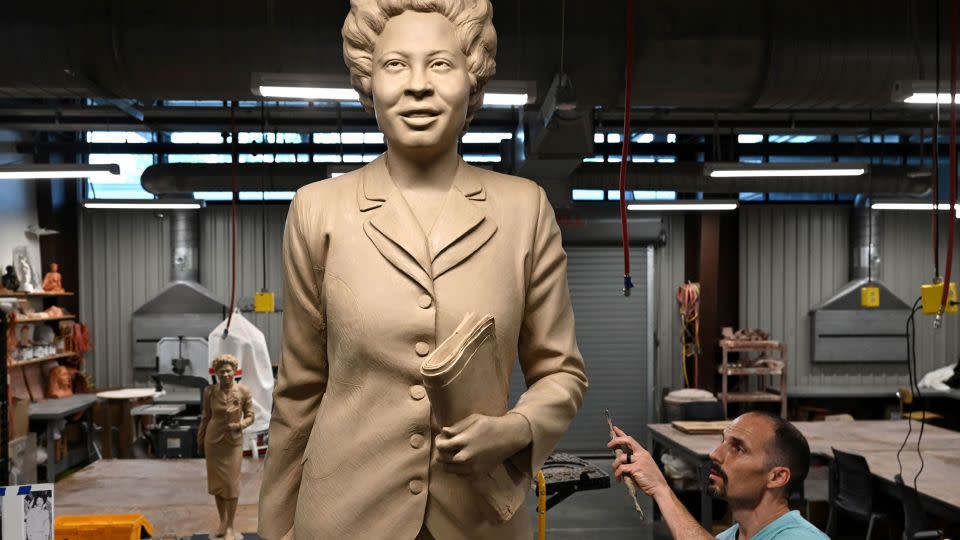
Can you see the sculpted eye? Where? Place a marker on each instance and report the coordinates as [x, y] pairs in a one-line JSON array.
[[441, 65], [393, 64]]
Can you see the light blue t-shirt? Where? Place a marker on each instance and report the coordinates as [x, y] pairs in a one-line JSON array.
[[790, 526]]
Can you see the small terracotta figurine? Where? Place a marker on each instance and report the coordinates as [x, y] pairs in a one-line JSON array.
[[53, 281], [227, 410], [10, 281], [60, 382]]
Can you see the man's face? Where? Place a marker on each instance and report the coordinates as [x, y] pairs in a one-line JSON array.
[[740, 470], [421, 85]]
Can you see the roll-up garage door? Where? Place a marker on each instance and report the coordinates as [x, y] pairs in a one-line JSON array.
[[614, 334]]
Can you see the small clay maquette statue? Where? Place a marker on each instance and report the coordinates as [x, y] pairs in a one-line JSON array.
[[10, 281], [53, 281], [227, 410], [26, 273], [381, 265]]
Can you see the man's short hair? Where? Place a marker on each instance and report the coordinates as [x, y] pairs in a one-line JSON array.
[[788, 448]]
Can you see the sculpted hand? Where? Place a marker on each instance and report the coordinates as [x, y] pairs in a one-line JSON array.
[[235, 426], [478, 443], [642, 467]]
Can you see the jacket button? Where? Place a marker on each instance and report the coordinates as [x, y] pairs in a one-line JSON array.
[[416, 487], [422, 348], [416, 440], [417, 392], [425, 301]]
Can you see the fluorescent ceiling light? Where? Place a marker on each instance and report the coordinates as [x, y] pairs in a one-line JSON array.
[[782, 170], [38, 171], [677, 206], [145, 204], [929, 98], [924, 92], [312, 93], [497, 93], [913, 206], [491, 99]]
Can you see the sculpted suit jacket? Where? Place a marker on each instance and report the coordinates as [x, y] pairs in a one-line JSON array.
[[366, 297]]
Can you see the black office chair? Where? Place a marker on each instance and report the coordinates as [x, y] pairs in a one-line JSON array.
[[915, 526], [851, 490]]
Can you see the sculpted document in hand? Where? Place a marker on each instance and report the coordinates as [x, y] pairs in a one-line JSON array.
[[463, 376]]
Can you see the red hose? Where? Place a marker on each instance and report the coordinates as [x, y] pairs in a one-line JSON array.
[[233, 214], [625, 152], [953, 151]]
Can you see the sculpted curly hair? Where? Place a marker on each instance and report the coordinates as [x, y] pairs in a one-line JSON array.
[[473, 20], [226, 359]]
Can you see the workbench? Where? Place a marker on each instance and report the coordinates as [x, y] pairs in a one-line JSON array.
[[50, 412]]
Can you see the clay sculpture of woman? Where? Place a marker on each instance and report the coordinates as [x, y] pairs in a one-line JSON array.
[[380, 266], [227, 410]]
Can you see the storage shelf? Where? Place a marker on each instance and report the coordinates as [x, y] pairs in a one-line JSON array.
[[43, 360], [750, 397], [34, 294], [750, 371], [737, 345], [44, 319]]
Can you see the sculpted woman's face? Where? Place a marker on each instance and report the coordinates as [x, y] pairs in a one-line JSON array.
[[225, 375], [421, 85]]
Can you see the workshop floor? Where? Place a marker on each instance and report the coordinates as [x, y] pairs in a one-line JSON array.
[[173, 496]]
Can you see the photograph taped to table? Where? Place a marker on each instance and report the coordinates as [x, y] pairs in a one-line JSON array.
[[27, 512]]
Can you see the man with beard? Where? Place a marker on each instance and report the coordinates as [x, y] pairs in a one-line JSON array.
[[760, 461]]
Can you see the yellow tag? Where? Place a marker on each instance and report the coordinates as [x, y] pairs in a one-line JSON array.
[[870, 296], [263, 302], [931, 295]]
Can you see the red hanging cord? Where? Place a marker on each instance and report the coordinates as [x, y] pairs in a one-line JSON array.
[[233, 214], [953, 152], [625, 152]]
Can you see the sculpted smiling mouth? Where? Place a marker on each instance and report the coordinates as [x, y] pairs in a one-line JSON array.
[[420, 113]]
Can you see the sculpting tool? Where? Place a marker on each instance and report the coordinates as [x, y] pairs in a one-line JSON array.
[[627, 479]]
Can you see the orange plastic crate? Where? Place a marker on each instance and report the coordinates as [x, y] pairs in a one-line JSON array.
[[103, 527]]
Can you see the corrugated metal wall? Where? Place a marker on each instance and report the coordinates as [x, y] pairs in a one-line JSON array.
[[793, 257], [215, 261], [124, 261], [669, 273]]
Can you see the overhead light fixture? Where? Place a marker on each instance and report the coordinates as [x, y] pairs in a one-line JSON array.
[[782, 170], [143, 204], [685, 206], [921, 92], [41, 171], [914, 206], [338, 88]]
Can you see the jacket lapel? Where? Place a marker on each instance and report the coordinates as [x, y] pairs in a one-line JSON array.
[[461, 229], [463, 226], [393, 228]]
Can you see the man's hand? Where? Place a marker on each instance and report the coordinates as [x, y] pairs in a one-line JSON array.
[[478, 443], [642, 468]]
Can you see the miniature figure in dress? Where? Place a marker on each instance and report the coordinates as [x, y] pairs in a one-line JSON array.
[[227, 410]]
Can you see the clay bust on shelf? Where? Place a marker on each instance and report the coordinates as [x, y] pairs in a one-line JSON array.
[[227, 411], [53, 281], [442, 238], [10, 281], [60, 382]]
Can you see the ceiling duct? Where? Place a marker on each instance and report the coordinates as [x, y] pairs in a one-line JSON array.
[[174, 178], [184, 308], [843, 329], [689, 178], [693, 54]]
